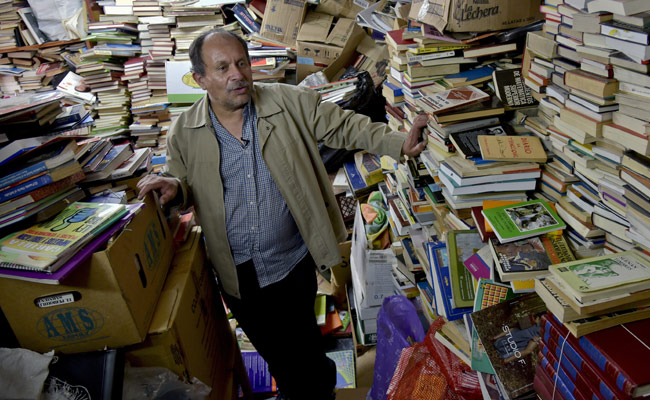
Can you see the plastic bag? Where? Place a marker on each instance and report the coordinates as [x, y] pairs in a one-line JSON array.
[[430, 371], [160, 383], [398, 326], [59, 19]]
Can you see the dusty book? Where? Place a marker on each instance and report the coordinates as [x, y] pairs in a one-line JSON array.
[[512, 148], [605, 276], [509, 332], [531, 257], [523, 220]]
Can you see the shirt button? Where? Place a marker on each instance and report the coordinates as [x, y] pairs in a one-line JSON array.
[[248, 176], [252, 228], [251, 203]]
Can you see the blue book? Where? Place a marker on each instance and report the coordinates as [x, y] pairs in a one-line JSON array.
[[28, 186], [245, 19], [473, 74], [355, 180], [42, 163], [439, 262]]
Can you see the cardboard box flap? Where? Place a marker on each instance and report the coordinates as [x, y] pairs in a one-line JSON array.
[[344, 29], [163, 317], [475, 15], [315, 27], [341, 8]]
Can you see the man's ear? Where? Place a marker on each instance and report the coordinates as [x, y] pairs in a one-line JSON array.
[[198, 79]]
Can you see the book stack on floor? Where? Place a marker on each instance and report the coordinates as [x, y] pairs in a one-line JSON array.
[[598, 328]]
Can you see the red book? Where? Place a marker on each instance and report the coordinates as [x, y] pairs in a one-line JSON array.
[[479, 221], [543, 385], [623, 354], [567, 369], [562, 382], [553, 334]]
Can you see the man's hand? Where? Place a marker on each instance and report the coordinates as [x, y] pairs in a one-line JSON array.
[[412, 146], [167, 187]]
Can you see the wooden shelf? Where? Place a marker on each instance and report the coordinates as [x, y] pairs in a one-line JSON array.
[[41, 46]]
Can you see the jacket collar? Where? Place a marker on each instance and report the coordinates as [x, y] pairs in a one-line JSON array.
[[198, 115]]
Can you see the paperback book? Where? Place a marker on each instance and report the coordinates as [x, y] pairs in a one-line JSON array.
[[510, 331], [528, 258], [523, 220]]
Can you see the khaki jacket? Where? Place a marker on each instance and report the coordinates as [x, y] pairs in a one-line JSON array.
[[291, 121]]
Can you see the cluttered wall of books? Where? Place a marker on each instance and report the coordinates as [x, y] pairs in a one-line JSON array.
[[524, 224]]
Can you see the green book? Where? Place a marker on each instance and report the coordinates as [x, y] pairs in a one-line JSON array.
[[320, 309], [606, 276], [460, 246], [523, 220]]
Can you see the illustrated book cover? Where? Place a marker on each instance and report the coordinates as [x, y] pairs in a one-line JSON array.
[[452, 99], [461, 245], [509, 332], [528, 258], [523, 220], [512, 148], [604, 276]]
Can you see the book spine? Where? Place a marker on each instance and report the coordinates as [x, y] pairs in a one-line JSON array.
[[566, 388], [22, 174], [610, 369], [23, 188], [572, 374], [553, 335], [245, 19]]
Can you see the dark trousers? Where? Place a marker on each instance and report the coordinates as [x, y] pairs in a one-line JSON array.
[[280, 322]]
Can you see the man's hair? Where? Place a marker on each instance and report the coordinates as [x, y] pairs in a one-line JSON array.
[[196, 48]]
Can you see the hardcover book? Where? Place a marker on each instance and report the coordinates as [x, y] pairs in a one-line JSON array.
[[531, 257], [510, 331], [605, 276], [523, 220], [439, 263], [512, 148]]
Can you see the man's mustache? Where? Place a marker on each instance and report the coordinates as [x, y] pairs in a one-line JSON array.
[[238, 85]]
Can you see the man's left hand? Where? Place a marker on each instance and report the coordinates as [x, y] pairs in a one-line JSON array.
[[412, 146]]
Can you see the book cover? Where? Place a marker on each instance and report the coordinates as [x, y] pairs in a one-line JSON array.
[[510, 331], [452, 99], [604, 276], [79, 257], [345, 368], [490, 108], [460, 246], [564, 365], [466, 142], [18, 147], [528, 258], [480, 263], [439, 264], [510, 88], [116, 156], [37, 192], [258, 373], [523, 220], [488, 293], [512, 148], [40, 246]]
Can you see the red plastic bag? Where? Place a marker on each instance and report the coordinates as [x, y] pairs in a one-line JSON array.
[[429, 371]]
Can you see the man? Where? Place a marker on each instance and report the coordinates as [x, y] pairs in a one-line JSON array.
[[247, 157]]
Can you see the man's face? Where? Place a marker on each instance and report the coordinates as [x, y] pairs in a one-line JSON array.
[[228, 78]]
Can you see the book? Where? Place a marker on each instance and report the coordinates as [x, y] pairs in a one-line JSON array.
[[129, 167], [523, 220], [489, 50], [439, 264], [469, 77], [369, 166], [509, 332], [114, 158], [488, 293], [78, 259], [590, 83], [63, 153], [28, 17], [531, 257], [47, 246], [605, 276], [460, 246], [41, 179], [481, 263], [33, 191], [559, 341], [17, 147], [451, 99], [512, 148], [623, 7], [510, 88], [466, 143], [490, 108]]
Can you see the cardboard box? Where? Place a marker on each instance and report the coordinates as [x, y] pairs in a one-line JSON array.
[[338, 277], [371, 269], [282, 20], [342, 8], [189, 332], [106, 302], [475, 15], [338, 48]]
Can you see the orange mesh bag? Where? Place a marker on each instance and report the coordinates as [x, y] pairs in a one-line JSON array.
[[429, 371]]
